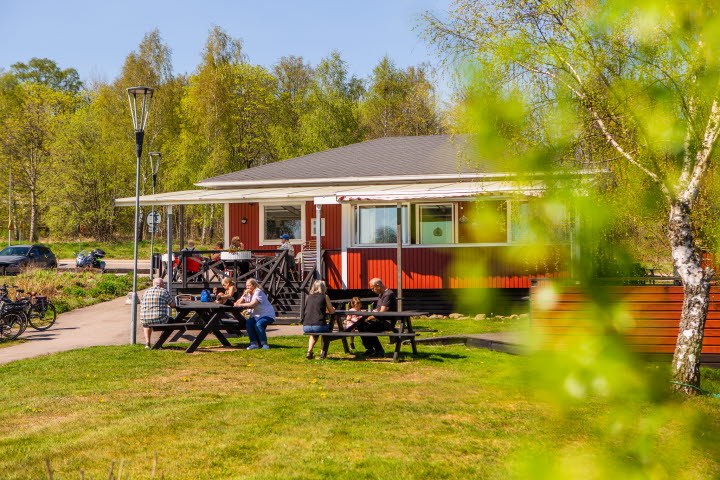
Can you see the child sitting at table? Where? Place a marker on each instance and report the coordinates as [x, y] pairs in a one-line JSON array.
[[230, 295], [351, 320]]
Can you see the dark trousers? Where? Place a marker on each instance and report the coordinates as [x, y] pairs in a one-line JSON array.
[[375, 326]]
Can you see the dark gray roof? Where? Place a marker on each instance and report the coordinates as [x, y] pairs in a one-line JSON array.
[[382, 157]]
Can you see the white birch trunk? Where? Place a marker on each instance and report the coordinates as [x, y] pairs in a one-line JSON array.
[[696, 288]]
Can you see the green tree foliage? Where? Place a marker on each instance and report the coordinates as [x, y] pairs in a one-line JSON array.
[[46, 72], [399, 103], [332, 118], [27, 134], [92, 171], [294, 83]]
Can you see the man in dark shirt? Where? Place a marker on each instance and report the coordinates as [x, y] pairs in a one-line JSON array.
[[386, 302]]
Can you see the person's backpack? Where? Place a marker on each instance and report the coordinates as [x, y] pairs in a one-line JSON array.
[[205, 296]]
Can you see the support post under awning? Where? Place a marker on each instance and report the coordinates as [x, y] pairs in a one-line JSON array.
[[318, 241], [399, 257]]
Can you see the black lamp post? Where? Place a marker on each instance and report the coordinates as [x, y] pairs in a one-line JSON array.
[[155, 158], [140, 99]]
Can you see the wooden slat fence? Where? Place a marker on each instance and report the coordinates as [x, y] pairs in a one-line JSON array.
[[652, 324]]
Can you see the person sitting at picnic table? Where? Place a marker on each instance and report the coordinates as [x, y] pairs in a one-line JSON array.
[[230, 295], [316, 304], [154, 307], [216, 256], [193, 261], [261, 313], [351, 320], [236, 244], [190, 247], [386, 302]]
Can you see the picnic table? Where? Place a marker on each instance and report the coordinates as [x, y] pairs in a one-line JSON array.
[[405, 332], [205, 317]]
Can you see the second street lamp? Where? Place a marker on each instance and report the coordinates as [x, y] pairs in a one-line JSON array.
[[140, 99], [155, 158]]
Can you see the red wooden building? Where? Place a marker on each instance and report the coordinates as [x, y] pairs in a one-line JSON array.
[[463, 222]]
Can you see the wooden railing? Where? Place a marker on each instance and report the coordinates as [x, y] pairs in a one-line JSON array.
[[192, 271]]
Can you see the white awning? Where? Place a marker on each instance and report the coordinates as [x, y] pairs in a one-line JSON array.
[[457, 190], [397, 192], [200, 197]]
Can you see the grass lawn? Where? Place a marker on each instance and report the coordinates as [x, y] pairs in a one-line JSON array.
[[472, 326], [451, 412]]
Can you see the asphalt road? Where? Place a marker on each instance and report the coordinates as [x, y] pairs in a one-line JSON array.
[[111, 265]]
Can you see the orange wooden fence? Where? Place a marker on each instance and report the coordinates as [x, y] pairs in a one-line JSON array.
[[653, 311]]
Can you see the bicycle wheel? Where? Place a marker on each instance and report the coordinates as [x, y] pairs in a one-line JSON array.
[[12, 325], [42, 318]]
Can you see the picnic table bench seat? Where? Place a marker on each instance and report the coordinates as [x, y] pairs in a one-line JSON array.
[[405, 332]]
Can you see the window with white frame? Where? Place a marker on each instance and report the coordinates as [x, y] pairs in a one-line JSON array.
[[377, 224], [281, 219], [535, 222], [484, 221], [436, 224]]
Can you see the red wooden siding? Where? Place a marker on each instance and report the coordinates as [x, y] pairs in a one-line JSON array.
[[333, 224], [333, 267], [424, 267], [653, 326], [248, 232], [448, 267]]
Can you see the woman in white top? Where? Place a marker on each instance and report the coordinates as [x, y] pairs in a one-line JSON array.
[[261, 312]]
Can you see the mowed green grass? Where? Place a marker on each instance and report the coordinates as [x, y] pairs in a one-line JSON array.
[[450, 412]]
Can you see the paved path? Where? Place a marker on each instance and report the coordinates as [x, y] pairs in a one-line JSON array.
[[111, 265], [106, 323]]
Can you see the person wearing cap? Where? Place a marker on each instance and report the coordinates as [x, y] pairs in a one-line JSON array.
[[286, 245], [285, 242]]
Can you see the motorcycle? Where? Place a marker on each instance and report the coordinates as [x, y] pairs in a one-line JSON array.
[[90, 259]]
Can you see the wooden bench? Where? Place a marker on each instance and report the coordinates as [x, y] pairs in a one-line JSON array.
[[406, 333]]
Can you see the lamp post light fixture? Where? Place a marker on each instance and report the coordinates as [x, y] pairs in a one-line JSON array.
[[155, 158], [140, 99]]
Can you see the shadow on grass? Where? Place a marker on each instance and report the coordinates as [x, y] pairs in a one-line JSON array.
[[404, 357], [216, 348]]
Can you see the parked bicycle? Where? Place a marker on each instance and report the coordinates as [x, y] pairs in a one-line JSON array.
[[12, 325], [39, 311], [13, 316]]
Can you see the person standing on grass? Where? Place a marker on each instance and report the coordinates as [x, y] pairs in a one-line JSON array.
[[316, 304], [261, 311], [155, 307], [386, 302]]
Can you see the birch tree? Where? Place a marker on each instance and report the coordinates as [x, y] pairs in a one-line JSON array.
[[638, 81]]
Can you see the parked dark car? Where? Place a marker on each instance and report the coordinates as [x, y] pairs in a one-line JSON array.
[[15, 257]]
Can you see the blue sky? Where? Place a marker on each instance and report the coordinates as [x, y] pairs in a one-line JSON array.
[[94, 37]]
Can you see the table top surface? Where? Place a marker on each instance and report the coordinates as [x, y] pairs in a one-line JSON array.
[[365, 313], [195, 305]]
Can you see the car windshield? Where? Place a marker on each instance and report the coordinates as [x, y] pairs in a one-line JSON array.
[[15, 251]]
